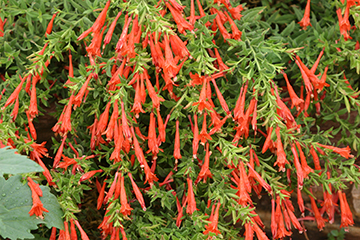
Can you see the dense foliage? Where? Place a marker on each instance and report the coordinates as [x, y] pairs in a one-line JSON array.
[[178, 114]]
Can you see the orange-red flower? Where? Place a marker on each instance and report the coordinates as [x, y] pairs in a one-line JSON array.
[[37, 207], [177, 154], [346, 215], [89, 175], [182, 24], [137, 192], [190, 198], [213, 226], [111, 30], [305, 21], [84, 236], [125, 206], [98, 24], [50, 25], [281, 156], [205, 172], [345, 152], [319, 219]]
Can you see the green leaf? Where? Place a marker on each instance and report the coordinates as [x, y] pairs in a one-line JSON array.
[[12, 163], [15, 204]]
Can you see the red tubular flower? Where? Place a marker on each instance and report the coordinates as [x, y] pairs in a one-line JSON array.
[[315, 158], [33, 109], [305, 77], [100, 199], [259, 233], [84, 236], [2, 23], [94, 48], [305, 21], [346, 215], [304, 165], [151, 91], [113, 119], [122, 39], [50, 25], [53, 234], [243, 187], [281, 230], [222, 29], [190, 198], [80, 95], [205, 172], [222, 66], [37, 207], [89, 175], [236, 33], [295, 100], [221, 98], [178, 46], [111, 191], [300, 202], [212, 227], [299, 170], [182, 24], [98, 24], [15, 111], [293, 218], [329, 204], [268, 140], [111, 30], [66, 119], [16, 93], [31, 126], [73, 235], [192, 18], [249, 232], [137, 192], [274, 221], [281, 156], [152, 140], [204, 136], [202, 103], [319, 219], [124, 121], [345, 152], [125, 206], [137, 108], [344, 23], [255, 175], [177, 154], [195, 143], [161, 126], [34, 187]]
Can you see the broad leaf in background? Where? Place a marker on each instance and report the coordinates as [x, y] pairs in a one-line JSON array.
[[15, 204], [12, 163]]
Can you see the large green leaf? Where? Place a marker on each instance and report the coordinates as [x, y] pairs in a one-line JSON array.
[[15, 204], [13, 163]]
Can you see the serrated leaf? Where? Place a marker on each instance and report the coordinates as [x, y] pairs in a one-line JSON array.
[[12, 163], [15, 204]]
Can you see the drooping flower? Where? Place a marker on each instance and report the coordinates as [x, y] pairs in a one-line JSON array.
[[203, 103], [137, 192], [345, 152], [37, 207], [205, 172], [84, 236], [319, 219], [125, 206], [204, 136], [89, 175], [213, 226], [98, 24], [190, 198], [195, 142], [111, 30], [305, 21], [346, 215], [281, 156], [50, 25], [177, 154], [181, 23]]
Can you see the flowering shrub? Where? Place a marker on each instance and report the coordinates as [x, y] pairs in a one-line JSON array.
[[180, 114]]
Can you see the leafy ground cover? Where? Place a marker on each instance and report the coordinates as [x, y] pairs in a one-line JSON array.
[[173, 116]]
